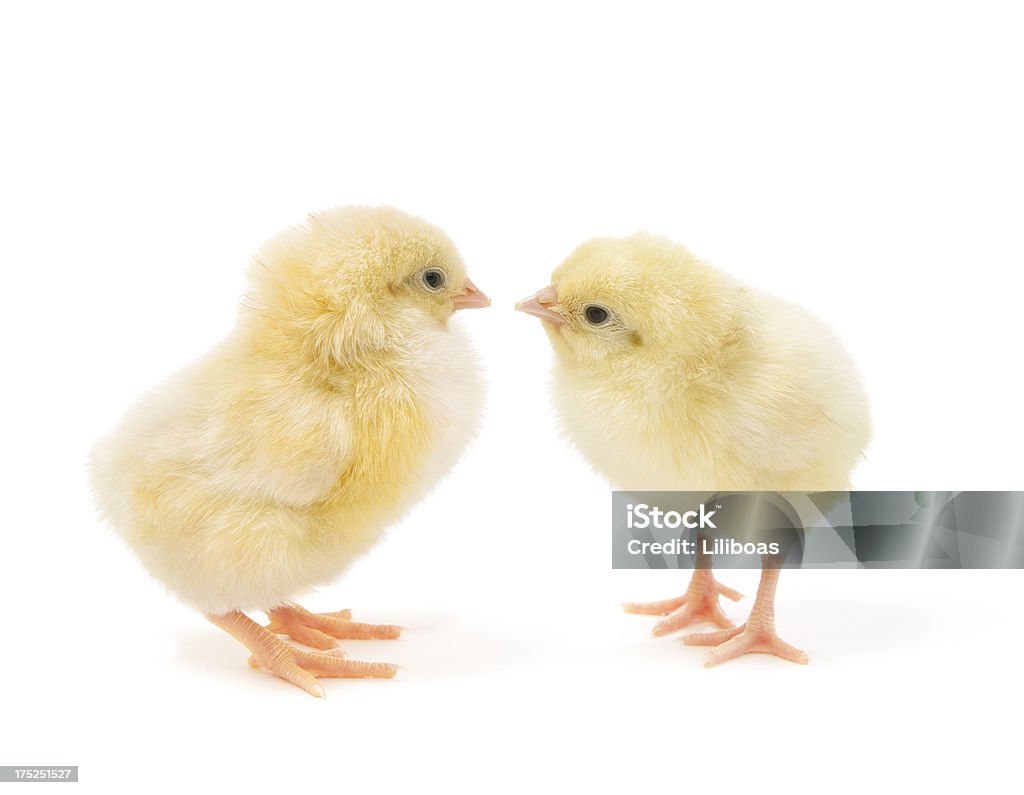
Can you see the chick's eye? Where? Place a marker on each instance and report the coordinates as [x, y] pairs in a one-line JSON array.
[[596, 315], [433, 278]]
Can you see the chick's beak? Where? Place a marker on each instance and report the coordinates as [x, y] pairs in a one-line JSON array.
[[470, 298], [539, 304]]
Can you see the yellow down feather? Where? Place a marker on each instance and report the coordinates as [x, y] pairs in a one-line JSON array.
[[339, 398], [696, 382]]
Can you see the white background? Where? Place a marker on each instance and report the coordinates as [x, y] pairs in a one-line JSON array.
[[866, 163]]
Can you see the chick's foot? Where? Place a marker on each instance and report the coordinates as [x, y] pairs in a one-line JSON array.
[[320, 630], [300, 668], [757, 635], [699, 603]]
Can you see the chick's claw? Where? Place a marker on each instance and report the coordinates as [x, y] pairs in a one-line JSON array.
[[321, 630], [300, 668], [303, 669], [744, 639], [700, 603], [757, 635], [659, 608]]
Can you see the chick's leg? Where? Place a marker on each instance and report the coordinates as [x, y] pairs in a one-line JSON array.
[[300, 668], [699, 603], [320, 630], [756, 635]]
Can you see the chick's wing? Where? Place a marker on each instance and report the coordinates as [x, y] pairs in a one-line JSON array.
[[290, 451]]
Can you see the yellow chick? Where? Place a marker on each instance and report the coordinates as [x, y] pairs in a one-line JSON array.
[[265, 468], [670, 375]]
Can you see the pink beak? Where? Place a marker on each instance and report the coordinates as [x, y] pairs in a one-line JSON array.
[[470, 298], [539, 305]]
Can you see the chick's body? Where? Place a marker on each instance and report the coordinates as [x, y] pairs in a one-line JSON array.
[[670, 375], [776, 406], [241, 484], [268, 466]]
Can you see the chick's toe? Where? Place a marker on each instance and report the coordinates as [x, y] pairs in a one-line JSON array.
[[320, 630], [297, 667], [758, 635], [699, 603]]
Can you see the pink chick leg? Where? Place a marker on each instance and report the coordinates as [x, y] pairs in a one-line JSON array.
[[300, 668], [320, 630], [757, 635], [699, 603]]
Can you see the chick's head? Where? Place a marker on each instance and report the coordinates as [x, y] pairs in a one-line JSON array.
[[617, 300], [355, 280]]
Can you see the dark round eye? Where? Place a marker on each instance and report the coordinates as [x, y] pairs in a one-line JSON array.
[[596, 315], [433, 278]]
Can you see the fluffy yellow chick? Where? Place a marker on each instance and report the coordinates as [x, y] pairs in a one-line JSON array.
[[265, 468], [670, 375]]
